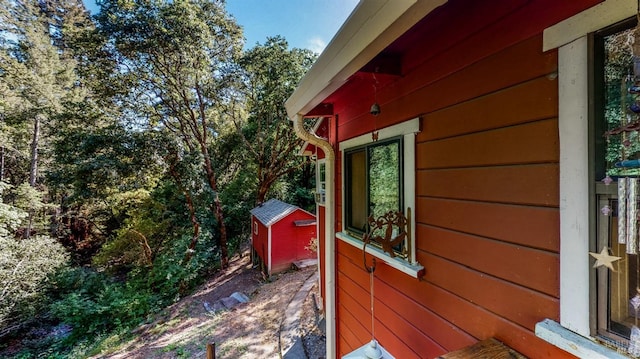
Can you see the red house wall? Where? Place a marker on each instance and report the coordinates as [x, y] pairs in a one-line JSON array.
[[486, 184], [288, 241]]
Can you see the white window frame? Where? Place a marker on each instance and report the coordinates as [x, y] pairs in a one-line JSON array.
[[255, 227], [408, 131], [573, 333]]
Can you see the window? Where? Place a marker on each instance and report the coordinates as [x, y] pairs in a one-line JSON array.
[[255, 227], [321, 182], [378, 176], [615, 201], [373, 174], [578, 197]]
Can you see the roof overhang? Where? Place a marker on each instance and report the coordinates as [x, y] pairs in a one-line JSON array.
[[372, 26]]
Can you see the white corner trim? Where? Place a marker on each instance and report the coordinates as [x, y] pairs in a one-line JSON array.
[[573, 119], [407, 127], [409, 188], [269, 249], [581, 347], [414, 270], [593, 19]]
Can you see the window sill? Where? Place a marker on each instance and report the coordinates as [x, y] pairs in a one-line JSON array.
[[414, 270], [582, 347]]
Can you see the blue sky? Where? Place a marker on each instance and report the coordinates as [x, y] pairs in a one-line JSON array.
[[308, 24]]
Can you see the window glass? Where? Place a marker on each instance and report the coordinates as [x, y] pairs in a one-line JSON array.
[[321, 182], [616, 197], [384, 179], [357, 191], [373, 182]]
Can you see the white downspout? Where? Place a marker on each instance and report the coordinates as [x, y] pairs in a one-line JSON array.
[[329, 232]]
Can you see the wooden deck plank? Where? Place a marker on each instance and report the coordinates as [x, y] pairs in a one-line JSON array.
[[486, 349]]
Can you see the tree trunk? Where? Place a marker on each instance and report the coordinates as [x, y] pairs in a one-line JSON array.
[[263, 188], [192, 215], [1, 163], [196, 228], [33, 169], [217, 209], [222, 240], [307, 173]]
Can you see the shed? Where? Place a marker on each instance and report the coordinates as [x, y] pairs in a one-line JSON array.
[[282, 234]]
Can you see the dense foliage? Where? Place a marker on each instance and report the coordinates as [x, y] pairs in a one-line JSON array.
[[132, 146]]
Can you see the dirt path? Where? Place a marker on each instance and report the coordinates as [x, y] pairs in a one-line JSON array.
[[249, 330]]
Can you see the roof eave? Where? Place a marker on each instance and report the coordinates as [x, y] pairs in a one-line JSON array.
[[371, 27]]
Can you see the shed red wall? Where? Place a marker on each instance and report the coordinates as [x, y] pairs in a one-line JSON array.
[[288, 241], [260, 240], [486, 184]]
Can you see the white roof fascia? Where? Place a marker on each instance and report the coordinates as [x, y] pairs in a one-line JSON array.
[[371, 27]]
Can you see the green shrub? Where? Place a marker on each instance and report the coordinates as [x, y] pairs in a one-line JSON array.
[[25, 268], [93, 303], [170, 277]]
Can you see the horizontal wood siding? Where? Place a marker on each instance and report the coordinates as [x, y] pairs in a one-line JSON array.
[[497, 258], [495, 110], [538, 226], [487, 187], [486, 76], [455, 322], [487, 184], [523, 184], [504, 146]]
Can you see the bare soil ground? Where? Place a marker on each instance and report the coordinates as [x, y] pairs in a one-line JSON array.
[[249, 330]]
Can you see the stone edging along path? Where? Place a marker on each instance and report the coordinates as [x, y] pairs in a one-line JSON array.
[[290, 340]]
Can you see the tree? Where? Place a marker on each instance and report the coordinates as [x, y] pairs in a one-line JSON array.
[[37, 79], [24, 266], [272, 72], [176, 57], [103, 171]]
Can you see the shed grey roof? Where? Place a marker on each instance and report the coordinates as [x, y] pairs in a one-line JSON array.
[[272, 211]]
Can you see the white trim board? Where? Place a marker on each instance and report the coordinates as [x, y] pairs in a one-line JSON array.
[[269, 249], [573, 121], [573, 343], [403, 128], [414, 270], [593, 19]]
